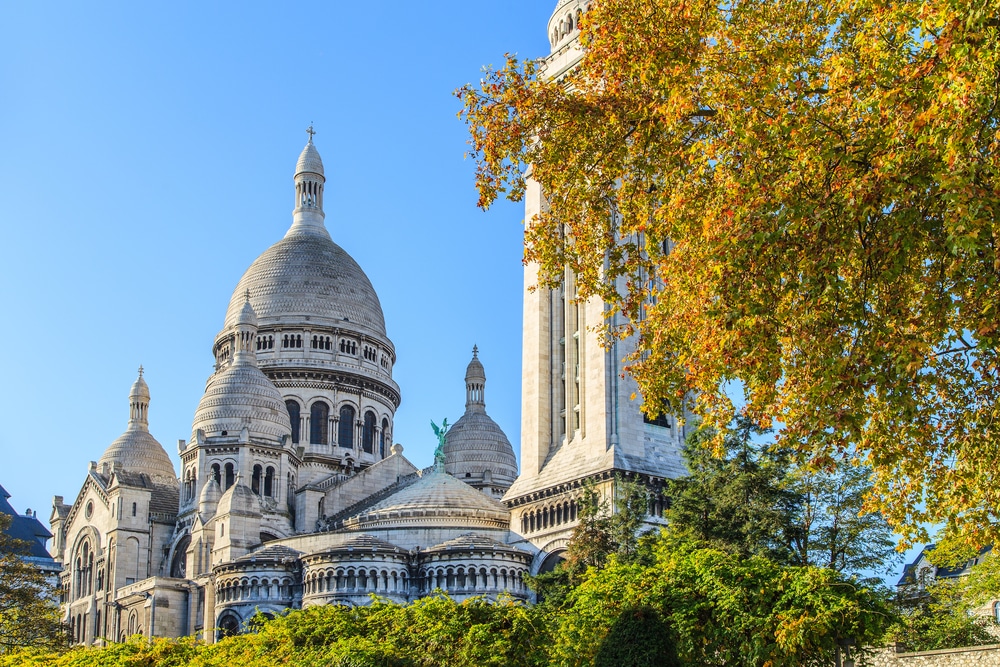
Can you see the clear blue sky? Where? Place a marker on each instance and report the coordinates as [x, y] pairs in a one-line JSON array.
[[146, 159]]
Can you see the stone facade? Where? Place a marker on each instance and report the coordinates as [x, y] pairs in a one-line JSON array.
[[579, 423], [290, 492], [973, 656]]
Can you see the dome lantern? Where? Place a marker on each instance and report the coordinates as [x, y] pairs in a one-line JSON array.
[[475, 384], [309, 182]]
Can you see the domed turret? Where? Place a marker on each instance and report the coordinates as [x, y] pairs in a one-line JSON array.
[[239, 500], [208, 501], [240, 396], [137, 450], [476, 449]]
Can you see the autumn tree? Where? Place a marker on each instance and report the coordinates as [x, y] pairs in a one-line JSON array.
[[29, 614], [826, 174]]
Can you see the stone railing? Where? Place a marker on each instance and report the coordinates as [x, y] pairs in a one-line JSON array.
[[970, 656]]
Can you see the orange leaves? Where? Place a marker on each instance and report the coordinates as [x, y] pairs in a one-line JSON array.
[[829, 177]]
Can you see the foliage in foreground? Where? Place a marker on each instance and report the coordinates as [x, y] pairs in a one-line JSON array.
[[678, 603], [810, 191], [723, 609], [432, 631], [29, 615]]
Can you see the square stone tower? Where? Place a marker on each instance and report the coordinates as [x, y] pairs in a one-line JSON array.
[[579, 422]]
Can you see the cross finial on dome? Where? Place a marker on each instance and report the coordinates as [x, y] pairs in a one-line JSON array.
[[140, 370], [310, 131], [247, 295], [475, 351]]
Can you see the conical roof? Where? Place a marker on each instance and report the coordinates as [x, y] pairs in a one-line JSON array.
[[309, 160]]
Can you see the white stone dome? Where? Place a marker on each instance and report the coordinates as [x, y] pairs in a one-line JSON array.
[[475, 444], [437, 495], [306, 277], [242, 396], [136, 450]]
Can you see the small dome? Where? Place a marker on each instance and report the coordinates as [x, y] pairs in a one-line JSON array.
[[241, 397], [476, 443], [138, 451], [475, 370], [436, 494], [210, 493], [247, 316], [476, 450], [309, 161], [239, 499]]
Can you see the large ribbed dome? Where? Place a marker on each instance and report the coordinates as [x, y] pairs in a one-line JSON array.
[[242, 396], [307, 275], [137, 450]]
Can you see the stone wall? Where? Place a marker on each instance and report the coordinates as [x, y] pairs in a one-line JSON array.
[[972, 656]]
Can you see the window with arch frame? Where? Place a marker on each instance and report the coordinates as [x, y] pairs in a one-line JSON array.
[[319, 419], [345, 428], [368, 433]]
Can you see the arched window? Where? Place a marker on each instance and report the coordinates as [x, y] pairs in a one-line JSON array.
[[258, 473], [269, 482], [134, 509], [368, 433], [217, 473], [230, 475], [345, 431], [295, 416], [229, 625], [178, 565], [319, 417], [382, 437]]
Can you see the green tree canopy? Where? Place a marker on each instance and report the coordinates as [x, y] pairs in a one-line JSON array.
[[826, 174], [29, 613], [721, 608], [755, 499]]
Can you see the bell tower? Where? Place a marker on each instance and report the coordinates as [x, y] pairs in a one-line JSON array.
[[579, 422]]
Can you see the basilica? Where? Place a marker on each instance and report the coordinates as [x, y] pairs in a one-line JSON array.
[[291, 491]]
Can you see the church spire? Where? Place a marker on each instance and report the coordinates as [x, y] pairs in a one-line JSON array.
[[309, 181]]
